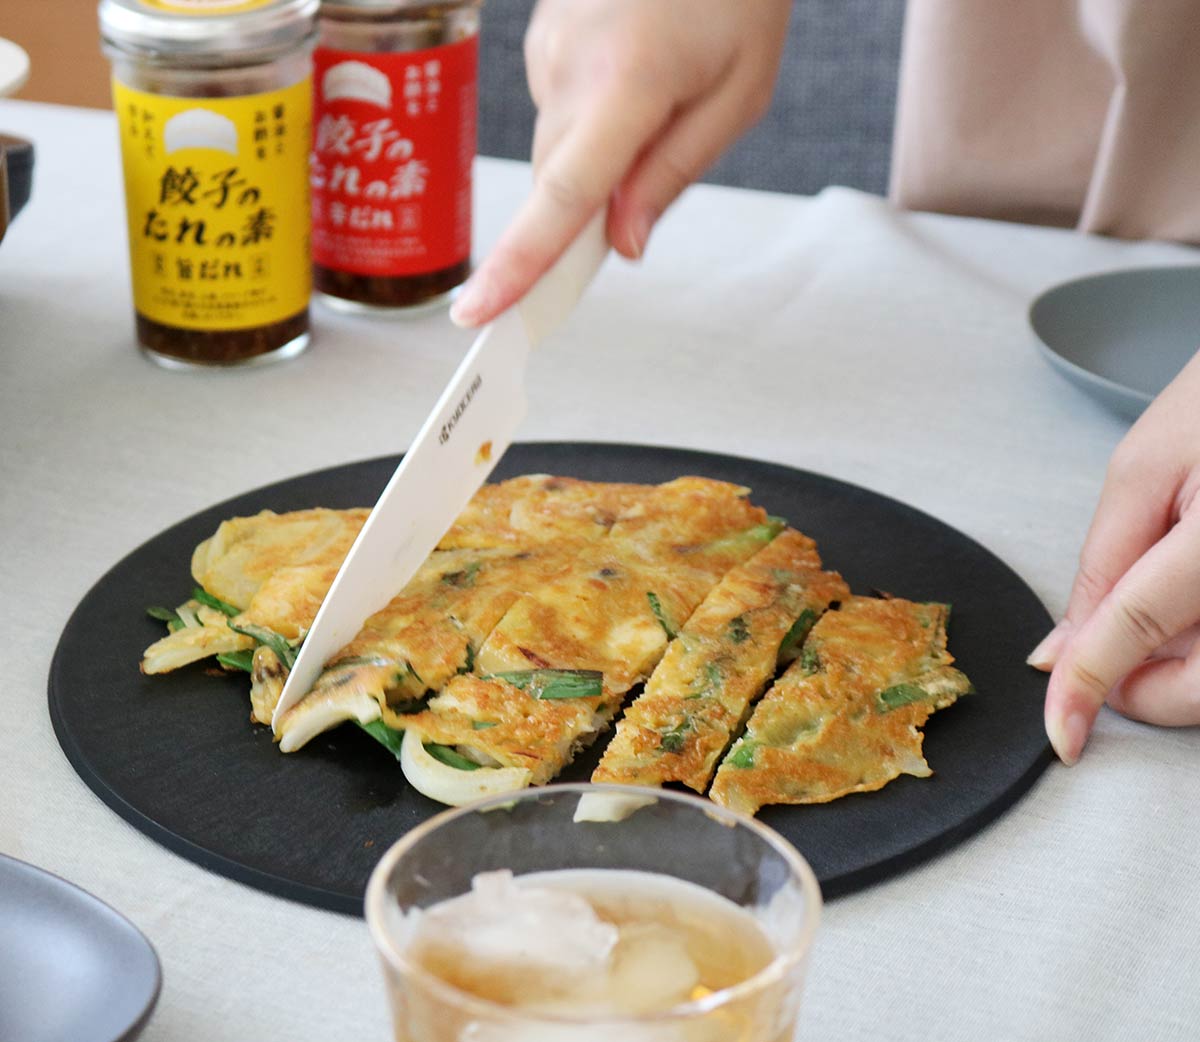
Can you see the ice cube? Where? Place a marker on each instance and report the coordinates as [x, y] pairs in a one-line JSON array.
[[651, 969], [514, 944]]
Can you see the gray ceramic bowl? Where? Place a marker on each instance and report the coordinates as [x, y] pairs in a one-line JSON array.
[[16, 177], [70, 967], [1122, 336]]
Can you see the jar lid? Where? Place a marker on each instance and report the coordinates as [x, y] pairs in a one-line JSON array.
[[213, 29]]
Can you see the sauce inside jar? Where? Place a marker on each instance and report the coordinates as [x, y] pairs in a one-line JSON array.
[[230, 347]]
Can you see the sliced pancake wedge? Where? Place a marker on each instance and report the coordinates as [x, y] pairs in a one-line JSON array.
[[609, 618], [555, 670], [518, 721], [701, 691], [845, 716], [422, 639]]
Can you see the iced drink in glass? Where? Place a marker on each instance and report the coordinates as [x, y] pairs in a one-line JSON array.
[[582, 913]]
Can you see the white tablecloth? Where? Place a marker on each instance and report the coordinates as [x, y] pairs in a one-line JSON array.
[[830, 333]]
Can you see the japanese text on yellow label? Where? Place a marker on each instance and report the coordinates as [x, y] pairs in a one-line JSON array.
[[217, 201]]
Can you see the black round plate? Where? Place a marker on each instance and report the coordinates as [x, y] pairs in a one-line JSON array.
[[177, 757]]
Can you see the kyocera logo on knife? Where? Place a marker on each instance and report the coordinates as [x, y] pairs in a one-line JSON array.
[[449, 425]]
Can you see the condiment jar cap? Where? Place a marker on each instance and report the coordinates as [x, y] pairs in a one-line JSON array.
[[224, 32]]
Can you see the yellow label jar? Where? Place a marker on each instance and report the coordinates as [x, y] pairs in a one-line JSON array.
[[214, 105]]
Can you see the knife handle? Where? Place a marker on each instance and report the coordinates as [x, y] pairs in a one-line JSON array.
[[546, 306]]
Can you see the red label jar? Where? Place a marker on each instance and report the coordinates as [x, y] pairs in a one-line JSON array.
[[395, 100]]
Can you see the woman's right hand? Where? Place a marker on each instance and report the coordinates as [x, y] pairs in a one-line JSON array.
[[635, 100]]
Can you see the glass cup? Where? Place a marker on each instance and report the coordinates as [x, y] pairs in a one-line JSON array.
[[695, 852]]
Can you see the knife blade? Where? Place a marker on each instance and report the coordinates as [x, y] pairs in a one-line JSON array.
[[457, 447]]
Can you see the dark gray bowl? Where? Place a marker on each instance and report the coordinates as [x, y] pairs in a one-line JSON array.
[[1122, 336], [70, 967], [17, 153]]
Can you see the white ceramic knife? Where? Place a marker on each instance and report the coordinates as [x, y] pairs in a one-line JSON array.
[[462, 440]]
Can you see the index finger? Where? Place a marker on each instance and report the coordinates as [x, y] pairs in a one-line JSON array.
[[1129, 519], [571, 184], [1158, 598]]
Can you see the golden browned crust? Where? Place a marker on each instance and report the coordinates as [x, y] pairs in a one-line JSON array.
[[561, 575], [280, 566], [597, 615], [502, 724], [544, 573], [701, 690], [540, 508], [845, 716]]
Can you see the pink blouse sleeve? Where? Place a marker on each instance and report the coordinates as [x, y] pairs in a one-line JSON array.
[[1081, 113]]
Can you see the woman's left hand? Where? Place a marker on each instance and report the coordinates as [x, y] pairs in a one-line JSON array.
[[1129, 637]]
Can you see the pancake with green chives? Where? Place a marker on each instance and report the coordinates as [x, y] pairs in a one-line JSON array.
[[270, 570], [846, 715], [556, 669], [551, 598], [701, 691], [422, 639]]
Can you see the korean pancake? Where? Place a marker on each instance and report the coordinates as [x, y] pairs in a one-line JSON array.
[[271, 570], [279, 565], [540, 508], [422, 639], [549, 599], [604, 618], [845, 716], [534, 572], [700, 693], [276, 568]]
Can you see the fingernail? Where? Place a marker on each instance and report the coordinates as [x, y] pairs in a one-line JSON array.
[[1046, 653], [639, 235], [1068, 737], [469, 304]]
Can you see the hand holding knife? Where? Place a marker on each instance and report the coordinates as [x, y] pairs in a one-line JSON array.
[[457, 447]]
